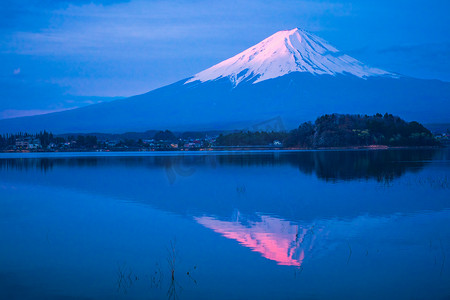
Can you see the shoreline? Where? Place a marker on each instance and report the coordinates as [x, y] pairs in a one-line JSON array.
[[228, 149]]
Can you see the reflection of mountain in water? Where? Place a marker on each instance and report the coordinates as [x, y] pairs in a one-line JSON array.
[[273, 238], [327, 165], [219, 183], [260, 186]]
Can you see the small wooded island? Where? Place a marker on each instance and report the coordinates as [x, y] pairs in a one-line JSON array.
[[328, 131], [339, 130]]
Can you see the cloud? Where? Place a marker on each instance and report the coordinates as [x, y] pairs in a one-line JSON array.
[[22, 97], [432, 56], [426, 49], [426, 60], [15, 113], [154, 27], [16, 71]]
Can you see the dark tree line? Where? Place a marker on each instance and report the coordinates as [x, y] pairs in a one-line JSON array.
[[248, 138], [338, 130], [164, 136], [333, 130], [44, 138], [47, 138]]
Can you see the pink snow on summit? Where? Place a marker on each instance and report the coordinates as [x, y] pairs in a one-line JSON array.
[[285, 52]]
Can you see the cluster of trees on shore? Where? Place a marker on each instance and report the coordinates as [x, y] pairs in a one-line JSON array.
[[48, 141], [335, 130], [338, 130], [45, 139]]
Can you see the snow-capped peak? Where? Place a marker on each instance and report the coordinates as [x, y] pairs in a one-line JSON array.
[[284, 52]]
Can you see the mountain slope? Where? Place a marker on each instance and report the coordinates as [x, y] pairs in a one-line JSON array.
[[236, 94]]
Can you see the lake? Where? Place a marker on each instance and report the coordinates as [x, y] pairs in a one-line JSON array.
[[226, 225]]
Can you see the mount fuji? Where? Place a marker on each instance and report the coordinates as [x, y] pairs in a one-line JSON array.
[[292, 75], [283, 53]]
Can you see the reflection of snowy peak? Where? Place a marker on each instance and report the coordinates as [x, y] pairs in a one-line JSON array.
[[285, 52], [274, 238]]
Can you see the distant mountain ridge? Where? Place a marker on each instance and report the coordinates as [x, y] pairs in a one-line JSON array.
[[292, 75]]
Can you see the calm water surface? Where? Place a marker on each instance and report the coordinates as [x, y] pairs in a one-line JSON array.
[[272, 225]]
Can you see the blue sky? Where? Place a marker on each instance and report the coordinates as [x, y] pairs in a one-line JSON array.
[[56, 55]]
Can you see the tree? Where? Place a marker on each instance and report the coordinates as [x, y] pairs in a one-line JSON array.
[[164, 136]]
